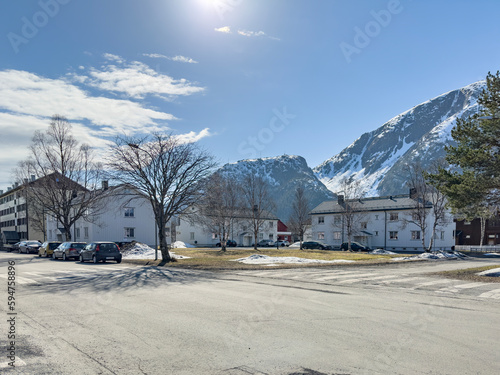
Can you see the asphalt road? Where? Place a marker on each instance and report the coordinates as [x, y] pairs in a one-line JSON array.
[[126, 319]]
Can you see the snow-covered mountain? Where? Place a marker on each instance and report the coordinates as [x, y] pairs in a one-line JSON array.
[[284, 174], [378, 158]]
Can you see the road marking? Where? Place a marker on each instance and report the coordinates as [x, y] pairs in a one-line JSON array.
[[457, 288], [495, 293], [18, 362], [434, 282], [351, 281]]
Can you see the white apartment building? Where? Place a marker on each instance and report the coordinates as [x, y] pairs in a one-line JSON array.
[[382, 222], [190, 231], [122, 216]]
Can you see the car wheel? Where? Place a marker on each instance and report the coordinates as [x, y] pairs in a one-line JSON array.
[[39, 255], [81, 258], [64, 257], [94, 259], [118, 261], [54, 256], [46, 255]]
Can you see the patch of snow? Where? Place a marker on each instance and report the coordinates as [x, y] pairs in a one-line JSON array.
[[492, 255], [142, 251], [181, 245], [495, 272], [436, 255], [381, 252], [265, 259]]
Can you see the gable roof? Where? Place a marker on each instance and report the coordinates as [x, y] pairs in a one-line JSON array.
[[394, 202]]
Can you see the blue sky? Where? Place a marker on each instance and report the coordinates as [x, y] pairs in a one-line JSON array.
[[244, 78]]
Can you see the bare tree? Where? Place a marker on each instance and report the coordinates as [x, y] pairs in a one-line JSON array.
[[66, 176], [429, 204], [351, 209], [165, 170], [219, 207], [255, 194], [300, 218]]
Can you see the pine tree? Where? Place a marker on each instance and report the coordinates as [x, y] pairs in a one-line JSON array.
[[472, 182]]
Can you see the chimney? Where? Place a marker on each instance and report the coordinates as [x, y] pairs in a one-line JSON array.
[[104, 185], [340, 199]]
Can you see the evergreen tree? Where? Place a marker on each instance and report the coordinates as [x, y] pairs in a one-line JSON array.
[[472, 182]]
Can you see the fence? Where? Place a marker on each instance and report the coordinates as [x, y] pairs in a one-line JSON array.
[[478, 249]]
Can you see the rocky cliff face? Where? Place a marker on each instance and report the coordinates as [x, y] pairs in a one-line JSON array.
[[420, 134]]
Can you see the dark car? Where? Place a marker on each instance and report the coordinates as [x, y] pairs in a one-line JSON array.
[[29, 247], [355, 246], [47, 248], [68, 250], [101, 251], [229, 243], [315, 245]]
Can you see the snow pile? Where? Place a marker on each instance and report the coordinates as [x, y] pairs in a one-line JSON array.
[[492, 255], [295, 245], [181, 245], [142, 251], [381, 252], [265, 259], [435, 255], [495, 272]]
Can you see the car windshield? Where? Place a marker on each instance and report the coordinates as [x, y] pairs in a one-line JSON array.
[[53, 246], [32, 243]]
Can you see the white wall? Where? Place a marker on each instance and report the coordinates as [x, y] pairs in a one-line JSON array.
[[379, 225]]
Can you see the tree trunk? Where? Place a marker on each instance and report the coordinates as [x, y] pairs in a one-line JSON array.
[[165, 254], [483, 229]]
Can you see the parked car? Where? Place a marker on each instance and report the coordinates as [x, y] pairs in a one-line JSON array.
[[281, 243], [265, 243], [315, 245], [47, 248], [14, 247], [229, 243], [355, 246], [68, 250], [101, 251], [29, 247]]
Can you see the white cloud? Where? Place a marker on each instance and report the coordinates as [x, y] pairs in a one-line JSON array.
[[178, 58], [224, 29], [192, 136], [27, 94], [256, 34], [137, 80]]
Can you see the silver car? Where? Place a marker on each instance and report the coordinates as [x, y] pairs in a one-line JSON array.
[[68, 250]]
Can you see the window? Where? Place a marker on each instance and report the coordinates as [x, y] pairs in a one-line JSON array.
[[271, 237], [337, 220], [129, 232], [261, 236], [191, 236], [376, 217], [467, 223], [393, 216], [50, 234], [321, 220], [270, 224], [393, 235], [415, 216], [85, 232], [321, 235], [364, 225], [337, 235], [415, 234], [77, 234], [442, 235], [214, 236], [129, 212], [376, 233]]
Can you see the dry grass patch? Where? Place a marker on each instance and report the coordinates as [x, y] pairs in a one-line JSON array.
[[215, 259]]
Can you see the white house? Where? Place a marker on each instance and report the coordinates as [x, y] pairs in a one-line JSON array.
[[122, 216], [190, 231], [382, 222]]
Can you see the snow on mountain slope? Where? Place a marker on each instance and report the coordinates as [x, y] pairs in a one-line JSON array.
[[284, 174], [420, 134]]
